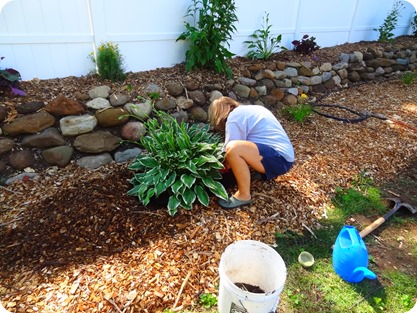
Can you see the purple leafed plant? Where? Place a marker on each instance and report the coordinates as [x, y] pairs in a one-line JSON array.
[[306, 45], [9, 78]]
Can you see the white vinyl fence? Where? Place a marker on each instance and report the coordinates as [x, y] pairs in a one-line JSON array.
[[53, 38]]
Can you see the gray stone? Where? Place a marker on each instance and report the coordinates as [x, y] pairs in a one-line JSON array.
[[293, 91], [98, 104], [99, 92], [118, 99], [262, 91], [49, 137], [21, 177], [140, 110], [215, 94], [241, 90], [291, 72], [60, 156], [249, 81], [326, 76], [340, 66], [154, 89], [126, 155], [356, 56], [326, 67], [95, 161], [279, 74], [316, 80], [166, 104], [76, 125]]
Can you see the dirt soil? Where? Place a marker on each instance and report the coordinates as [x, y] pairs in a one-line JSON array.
[[73, 241]]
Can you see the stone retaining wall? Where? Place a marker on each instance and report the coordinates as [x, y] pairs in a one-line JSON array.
[[90, 128]]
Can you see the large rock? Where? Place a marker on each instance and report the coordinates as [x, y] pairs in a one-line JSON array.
[[76, 125], [112, 117], [60, 156], [29, 124], [98, 104], [119, 99], [140, 110], [133, 131], [99, 92], [21, 159], [62, 106], [94, 161], [97, 142], [49, 137]]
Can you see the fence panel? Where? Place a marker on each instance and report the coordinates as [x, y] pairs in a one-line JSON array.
[[53, 38]]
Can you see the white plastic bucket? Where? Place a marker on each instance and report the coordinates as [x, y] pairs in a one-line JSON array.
[[252, 263]]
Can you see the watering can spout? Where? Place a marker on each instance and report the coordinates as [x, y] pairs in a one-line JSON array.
[[360, 273]]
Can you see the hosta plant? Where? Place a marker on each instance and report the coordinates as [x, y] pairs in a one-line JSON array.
[[181, 161]]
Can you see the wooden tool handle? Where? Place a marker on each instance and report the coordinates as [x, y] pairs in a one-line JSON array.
[[372, 227]]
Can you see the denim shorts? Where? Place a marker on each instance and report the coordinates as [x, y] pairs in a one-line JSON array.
[[274, 163]]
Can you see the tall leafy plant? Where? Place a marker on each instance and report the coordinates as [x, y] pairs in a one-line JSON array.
[[211, 31], [181, 161], [262, 44], [390, 23]]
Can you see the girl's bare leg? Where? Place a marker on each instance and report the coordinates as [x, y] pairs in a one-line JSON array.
[[240, 155]]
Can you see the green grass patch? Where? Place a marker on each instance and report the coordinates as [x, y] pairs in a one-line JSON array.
[[319, 288]]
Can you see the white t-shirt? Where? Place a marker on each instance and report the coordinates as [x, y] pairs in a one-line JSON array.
[[257, 124]]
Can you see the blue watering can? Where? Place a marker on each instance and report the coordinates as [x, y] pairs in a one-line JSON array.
[[350, 257]]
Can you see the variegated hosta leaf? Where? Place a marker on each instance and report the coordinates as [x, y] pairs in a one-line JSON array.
[[202, 195], [188, 197], [188, 180]]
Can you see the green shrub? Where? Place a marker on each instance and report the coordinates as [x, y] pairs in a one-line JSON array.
[[109, 62], [408, 78], [262, 45], [181, 161], [390, 22], [209, 35], [299, 112]]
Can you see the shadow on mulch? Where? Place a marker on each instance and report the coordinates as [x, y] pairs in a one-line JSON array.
[[404, 186], [83, 220]]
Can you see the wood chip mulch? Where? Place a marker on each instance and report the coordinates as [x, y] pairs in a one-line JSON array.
[[73, 241]]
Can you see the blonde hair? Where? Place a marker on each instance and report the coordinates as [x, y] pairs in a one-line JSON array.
[[219, 110]]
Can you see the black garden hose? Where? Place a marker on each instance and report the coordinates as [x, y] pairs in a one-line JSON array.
[[362, 115]]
